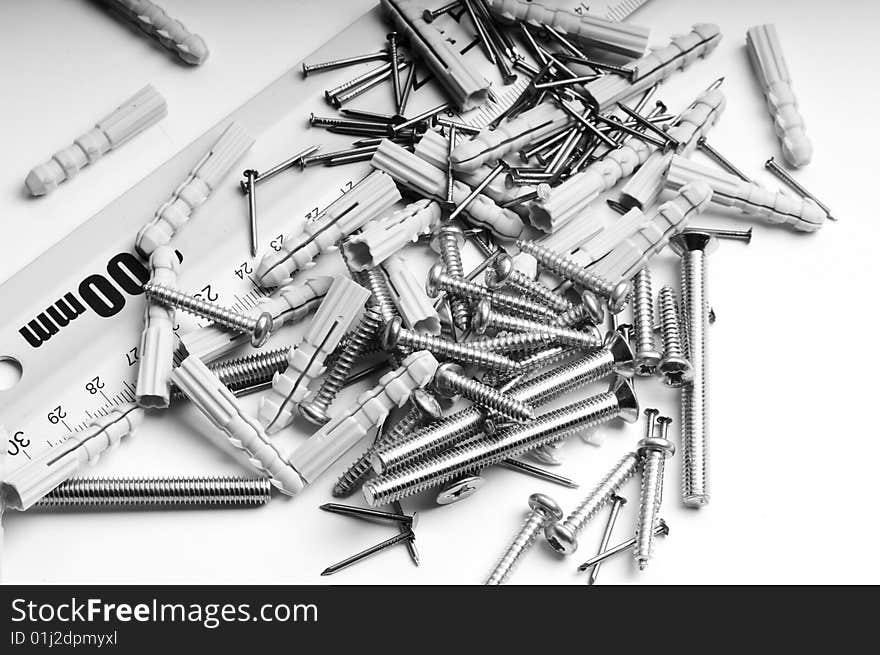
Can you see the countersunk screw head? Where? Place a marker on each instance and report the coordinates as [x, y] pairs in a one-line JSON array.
[[622, 353], [262, 330], [545, 506], [426, 404], [432, 284], [626, 400], [459, 490], [392, 333], [687, 241], [441, 380]]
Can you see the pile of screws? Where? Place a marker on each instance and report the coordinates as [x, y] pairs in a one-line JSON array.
[[522, 329]]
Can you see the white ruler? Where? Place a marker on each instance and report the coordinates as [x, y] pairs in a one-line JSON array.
[[72, 318]]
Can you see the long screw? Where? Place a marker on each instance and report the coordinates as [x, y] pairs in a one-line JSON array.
[[245, 373], [381, 55], [784, 175], [450, 380], [423, 409], [315, 409], [617, 294], [504, 272], [448, 243], [654, 450], [647, 357], [372, 550], [485, 317], [130, 493], [563, 536], [543, 511], [661, 530], [250, 177], [259, 328], [674, 366], [617, 502], [693, 248]]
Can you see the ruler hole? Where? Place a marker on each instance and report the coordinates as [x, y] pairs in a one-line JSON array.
[[10, 372]]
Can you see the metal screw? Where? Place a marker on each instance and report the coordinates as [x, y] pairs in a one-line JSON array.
[[315, 409], [661, 530], [620, 401], [721, 160], [675, 368], [485, 317], [340, 63], [132, 493], [693, 248], [450, 380], [784, 175], [424, 408], [617, 502], [654, 450], [259, 328], [447, 243], [245, 373], [563, 536], [504, 272], [590, 309], [409, 535], [617, 294], [250, 177], [647, 356], [543, 510], [733, 235]]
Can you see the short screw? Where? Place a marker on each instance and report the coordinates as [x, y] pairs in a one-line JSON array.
[[654, 450], [589, 309], [647, 357], [617, 502], [450, 380], [260, 328], [675, 368], [381, 55], [661, 530], [485, 317], [543, 511]]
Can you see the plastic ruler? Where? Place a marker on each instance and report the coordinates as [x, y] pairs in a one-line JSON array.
[[76, 366]]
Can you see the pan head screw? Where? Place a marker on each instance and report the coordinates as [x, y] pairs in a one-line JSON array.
[[262, 330], [443, 389], [432, 284]]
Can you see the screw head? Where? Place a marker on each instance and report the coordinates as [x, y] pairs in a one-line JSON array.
[[626, 400], [619, 296], [676, 371], [426, 404], [688, 241], [480, 316], [432, 284], [622, 353], [441, 379], [595, 310], [503, 267], [561, 538], [313, 414], [664, 528], [262, 330], [447, 229], [459, 490], [656, 444], [647, 362], [545, 506], [392, 333]]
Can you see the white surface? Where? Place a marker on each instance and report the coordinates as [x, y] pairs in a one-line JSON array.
[[786, 425]]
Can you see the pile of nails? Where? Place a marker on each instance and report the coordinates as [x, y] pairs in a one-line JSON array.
[[525, 327]]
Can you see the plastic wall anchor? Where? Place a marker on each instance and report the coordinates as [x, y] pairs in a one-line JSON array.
[[643, 188], [366, 200], [221, 407], [593, 222], [152, 20], [572, 197], [341, 307], [417, 174], [588, 30], [654, 67], [333, 440], [433, 148], [383, 237], [490, 145], [430, 44], [768, 62], [153, 387], [416, 309], [143, 109], [288, 304], [175, 212], [751, 199], [35, 478], [661, 224]]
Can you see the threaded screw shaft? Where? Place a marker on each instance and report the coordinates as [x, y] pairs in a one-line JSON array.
[[544, 510], [674, 366], [450, 379], [503, 273], [244, 372], [259, 328], [647, 357], [617, 294], [315, 409], [655, 451], [438, 281], [145, 492], [486, 317], [514, 341]]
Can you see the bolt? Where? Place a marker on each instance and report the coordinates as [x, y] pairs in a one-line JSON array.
[[450, 380], [459, 490], [784, 175], [647, 357], [693, 248], [315, 409], [395, 334], [409, 535], [504, 272], [654, 450], [465, 459], [675, 368], [617, 295], [447, 243], [563, 536], [259, 328], [424, 408], [617, 502], [438, 280], [340, 63], [485, 317], [544, 510], [132, 493], [661, 530]]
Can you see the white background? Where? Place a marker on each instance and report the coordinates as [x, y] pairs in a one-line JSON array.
[[791, 385]]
